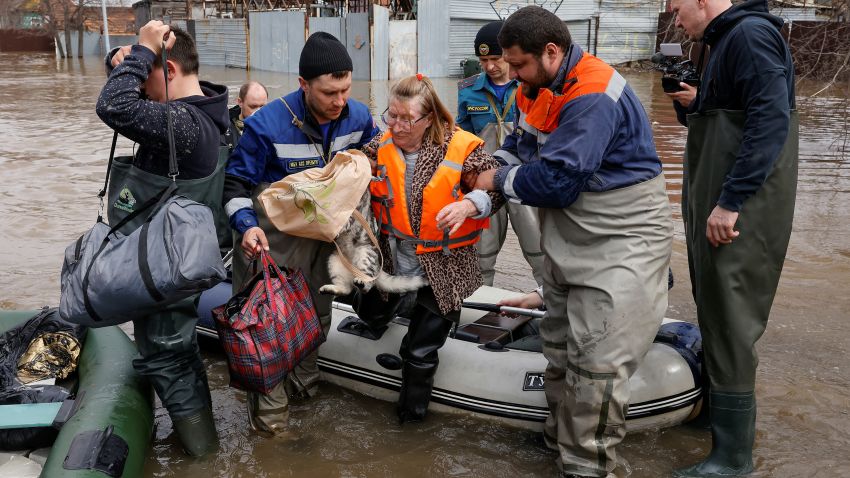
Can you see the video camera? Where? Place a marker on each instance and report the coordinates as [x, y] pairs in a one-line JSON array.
[[675, 72]]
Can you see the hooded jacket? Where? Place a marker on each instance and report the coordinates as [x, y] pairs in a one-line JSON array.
[[749, 69], [198, 121]]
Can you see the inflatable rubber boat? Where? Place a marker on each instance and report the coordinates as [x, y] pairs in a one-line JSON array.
[[107, 427], [492, 365]]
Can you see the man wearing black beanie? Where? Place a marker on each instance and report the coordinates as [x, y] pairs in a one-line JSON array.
[[301, 130], [486, 108]]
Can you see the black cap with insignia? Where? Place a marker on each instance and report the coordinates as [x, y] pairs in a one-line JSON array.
[[486, 43]]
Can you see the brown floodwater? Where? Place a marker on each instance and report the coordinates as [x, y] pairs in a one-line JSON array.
[[52, 164]]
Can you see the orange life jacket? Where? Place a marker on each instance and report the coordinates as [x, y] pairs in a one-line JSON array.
[[590, 75], [389, 200]]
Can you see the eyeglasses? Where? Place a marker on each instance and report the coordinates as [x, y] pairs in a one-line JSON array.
[[391, 119]]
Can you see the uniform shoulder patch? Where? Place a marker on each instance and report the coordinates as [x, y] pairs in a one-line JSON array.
[[467, 82]]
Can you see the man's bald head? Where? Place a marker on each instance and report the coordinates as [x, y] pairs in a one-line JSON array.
[[252, 96], [693, 16]]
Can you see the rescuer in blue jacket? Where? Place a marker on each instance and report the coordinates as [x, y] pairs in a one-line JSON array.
[[301, 130], [486, 107]]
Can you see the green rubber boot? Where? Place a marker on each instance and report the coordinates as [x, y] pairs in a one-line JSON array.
[[733, 427], [197, 432]]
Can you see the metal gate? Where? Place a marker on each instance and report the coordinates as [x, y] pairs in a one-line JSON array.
[[277, 39], [353, 31], [222, 42]]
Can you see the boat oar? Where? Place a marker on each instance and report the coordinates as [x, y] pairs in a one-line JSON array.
[[504, 309]]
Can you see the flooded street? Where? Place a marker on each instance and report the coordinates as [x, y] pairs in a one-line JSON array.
[[52, 164]]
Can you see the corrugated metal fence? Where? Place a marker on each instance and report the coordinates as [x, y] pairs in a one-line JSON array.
[[222, 41], [616, 30], [627, 30], [276, 40]]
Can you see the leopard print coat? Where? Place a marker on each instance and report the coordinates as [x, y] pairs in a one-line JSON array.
[[454, 277]]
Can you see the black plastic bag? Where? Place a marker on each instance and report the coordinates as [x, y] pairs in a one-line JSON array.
[[35, 437]]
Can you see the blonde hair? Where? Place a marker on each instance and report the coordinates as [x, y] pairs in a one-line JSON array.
[[419, 87]]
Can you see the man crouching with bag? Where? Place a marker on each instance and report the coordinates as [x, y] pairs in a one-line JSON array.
[[134, 103], [301, 130]]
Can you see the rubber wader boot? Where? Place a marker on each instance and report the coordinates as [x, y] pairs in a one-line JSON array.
[[426, 333], [733, 426], [417, 382], [197, 432]]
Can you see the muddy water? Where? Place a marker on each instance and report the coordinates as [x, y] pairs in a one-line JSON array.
[[52, 161]]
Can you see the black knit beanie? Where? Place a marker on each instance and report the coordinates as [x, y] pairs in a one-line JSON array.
[[486, 43], [323, 54]]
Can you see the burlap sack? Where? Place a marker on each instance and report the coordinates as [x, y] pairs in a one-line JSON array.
[[317, 202]]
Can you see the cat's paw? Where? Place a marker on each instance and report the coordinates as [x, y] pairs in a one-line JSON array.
[[363, 285], [330, 289]]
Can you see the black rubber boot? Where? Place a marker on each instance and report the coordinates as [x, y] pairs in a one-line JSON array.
[[733, 426], [197, 432], [426, 333], [417, 382]]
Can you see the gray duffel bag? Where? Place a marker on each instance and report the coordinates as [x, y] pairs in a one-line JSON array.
[[109, 278]]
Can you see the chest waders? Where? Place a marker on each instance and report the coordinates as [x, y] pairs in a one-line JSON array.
[[734, 284], [494, 133], [269, 413], [523, 219], [167, 342], [605, 290]]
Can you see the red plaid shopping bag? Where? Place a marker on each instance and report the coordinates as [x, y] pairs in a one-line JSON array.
[[268, 328]]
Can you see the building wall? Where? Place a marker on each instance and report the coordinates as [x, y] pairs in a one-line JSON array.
[[25, 40], [122, 20]]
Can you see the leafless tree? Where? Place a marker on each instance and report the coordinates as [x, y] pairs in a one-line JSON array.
[[51, 24], [67, 11], [81, 14]]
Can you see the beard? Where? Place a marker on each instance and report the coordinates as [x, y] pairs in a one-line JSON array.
[[531, 86]]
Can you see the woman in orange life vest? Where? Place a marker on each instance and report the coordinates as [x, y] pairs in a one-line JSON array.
[[429, 219]]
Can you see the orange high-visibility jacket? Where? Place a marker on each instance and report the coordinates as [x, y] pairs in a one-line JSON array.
[[389, 200]]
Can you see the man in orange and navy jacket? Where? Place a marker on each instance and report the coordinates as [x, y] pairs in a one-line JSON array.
[[596, 136], [583, 153]]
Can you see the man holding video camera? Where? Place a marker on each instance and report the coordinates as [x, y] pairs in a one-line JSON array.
[[737, 203]]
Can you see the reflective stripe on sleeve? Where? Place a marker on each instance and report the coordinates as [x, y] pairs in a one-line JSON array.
[[508, 187], [507, 157], [346, 141], [236, 204]]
